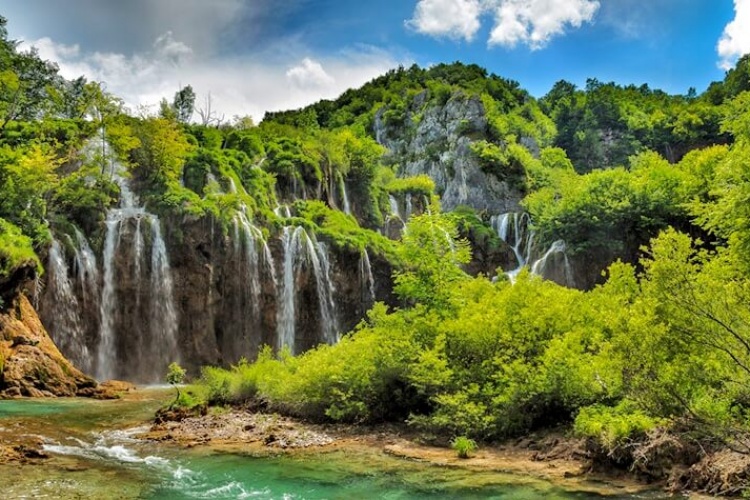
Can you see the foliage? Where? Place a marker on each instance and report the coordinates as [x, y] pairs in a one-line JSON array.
[[15, 249], [611, 213], [463, 446], [419, 185], [613, 426], [175, 376]]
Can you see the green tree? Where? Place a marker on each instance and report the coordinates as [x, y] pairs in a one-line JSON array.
[[175, 376], [184, 104]]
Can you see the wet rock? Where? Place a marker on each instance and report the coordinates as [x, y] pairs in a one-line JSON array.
[[32, 365], [112, 389]]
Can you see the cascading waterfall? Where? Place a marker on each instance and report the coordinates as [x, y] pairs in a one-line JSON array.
[[163, 312], [544, 265], [106, 354], [67, 332], [86, 269], [513, 228], [409, 208], [318, 255], [126, 269], [286, 314], [301, 252], [394, 207], [366, 279], [344, 196], [256, 258]]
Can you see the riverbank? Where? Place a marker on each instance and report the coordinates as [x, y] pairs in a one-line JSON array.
[[551, 457]]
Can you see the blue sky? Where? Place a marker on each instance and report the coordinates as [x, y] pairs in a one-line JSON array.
[[258, 55]]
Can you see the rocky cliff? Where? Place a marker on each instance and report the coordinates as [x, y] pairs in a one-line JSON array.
[[435, 139], [232, 291]]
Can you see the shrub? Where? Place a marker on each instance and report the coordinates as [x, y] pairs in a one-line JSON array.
[[463, 446], [612, 426]]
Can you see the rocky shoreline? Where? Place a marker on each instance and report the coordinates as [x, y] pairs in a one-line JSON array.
[[553, 458], [660, 462]]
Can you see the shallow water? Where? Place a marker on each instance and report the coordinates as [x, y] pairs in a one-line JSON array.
[[95, 454]]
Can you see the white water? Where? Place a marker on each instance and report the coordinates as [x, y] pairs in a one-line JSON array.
[[366, 279], [283, 211], [285, 307], [158, 345], [303, 252], [394, 207], [513, 228], [163, 312], [86, 269], [542, 267], [344, 196], [68, 332]]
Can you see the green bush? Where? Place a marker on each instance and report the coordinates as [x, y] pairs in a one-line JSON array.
[[16, 249], [613, 426], [463, 446]]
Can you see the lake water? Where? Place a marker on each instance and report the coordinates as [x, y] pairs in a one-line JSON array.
[[95, 454]]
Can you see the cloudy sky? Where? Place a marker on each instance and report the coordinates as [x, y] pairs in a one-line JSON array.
[[259, 55]]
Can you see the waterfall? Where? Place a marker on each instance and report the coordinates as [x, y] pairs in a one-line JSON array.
[[366, 279], [106, 355], [67, 331], [408, 207], [318, 254], [163, 312], [286, 314], [135, 342], [86, 269], [394, 206], [283, 211], [513, 228], [344, 196], [303, 252], [546, 267]]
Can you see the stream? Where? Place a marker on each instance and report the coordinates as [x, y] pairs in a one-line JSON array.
[[94, 453]]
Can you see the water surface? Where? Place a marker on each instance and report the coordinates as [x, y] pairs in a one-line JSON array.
[[95, 454]]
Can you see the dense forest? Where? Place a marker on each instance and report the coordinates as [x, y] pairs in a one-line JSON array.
[[650, 193]]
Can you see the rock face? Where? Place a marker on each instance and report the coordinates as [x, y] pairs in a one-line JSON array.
[[30, 364], [435, 140], [228, 289]]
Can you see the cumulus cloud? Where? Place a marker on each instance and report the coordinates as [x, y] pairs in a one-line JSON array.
[[735, 41], [309, 74], [450, 18], [530, 22], [240, 85]]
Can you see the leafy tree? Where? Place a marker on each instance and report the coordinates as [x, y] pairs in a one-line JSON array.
[[184, 104], [175, 376]]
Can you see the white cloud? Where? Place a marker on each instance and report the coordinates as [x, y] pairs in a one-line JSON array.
[[241, 85], [735, 41], [450, 18], [529, 22], [536, 22], [309, 74]]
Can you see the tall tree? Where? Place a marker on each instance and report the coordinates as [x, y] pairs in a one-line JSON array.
[[184, 103]]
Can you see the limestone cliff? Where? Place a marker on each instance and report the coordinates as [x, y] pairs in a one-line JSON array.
[[435, 139]]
